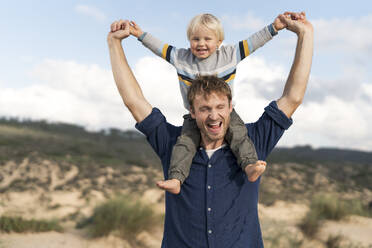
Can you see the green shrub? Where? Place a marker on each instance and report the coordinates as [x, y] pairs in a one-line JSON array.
[[20, 225], [121, 214], [333, 241], [282, 238], [309, 225], [329, 207]]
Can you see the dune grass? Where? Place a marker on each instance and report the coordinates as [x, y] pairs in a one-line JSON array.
[[329, 207], [21, 225], [121, 215]]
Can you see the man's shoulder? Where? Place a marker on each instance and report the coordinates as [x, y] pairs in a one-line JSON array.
[[268, 129], [156, 121], [274, 114]]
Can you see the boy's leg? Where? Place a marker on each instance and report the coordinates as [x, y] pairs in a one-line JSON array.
[[182, 155], [243, 148], [240, 144]]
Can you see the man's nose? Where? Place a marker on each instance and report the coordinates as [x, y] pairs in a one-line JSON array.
[[213, 115]]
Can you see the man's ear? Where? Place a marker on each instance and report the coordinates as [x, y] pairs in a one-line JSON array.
[[192, 112], [231, 106]]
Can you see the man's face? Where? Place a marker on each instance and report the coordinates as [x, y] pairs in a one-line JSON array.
[[212, 114]]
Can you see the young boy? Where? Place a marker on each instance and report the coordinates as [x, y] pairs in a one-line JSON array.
[[206, 57]]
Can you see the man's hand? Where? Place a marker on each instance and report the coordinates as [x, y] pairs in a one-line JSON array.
[[135, 30], [119, 30], [295, 87], [296, 22], [126, 83]]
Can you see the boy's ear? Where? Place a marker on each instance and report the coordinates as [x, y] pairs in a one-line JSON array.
[[219, 43]]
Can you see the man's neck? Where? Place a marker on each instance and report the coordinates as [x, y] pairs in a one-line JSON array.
[[210, 145]]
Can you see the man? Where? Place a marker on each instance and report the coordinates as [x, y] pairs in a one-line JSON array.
[[217, 206]]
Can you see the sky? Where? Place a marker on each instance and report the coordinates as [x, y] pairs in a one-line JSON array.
[[54, 64]]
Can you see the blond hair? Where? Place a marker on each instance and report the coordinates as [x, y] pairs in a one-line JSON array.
[[209, 21]]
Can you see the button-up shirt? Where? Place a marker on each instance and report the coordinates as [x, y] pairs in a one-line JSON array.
[[217, 205]]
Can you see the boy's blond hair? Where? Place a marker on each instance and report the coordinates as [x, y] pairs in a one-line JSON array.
[[209, 21]]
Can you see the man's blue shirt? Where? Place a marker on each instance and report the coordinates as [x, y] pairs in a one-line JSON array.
[[217, 205]]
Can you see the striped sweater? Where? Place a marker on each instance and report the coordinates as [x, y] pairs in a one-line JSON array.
[[221, 63]]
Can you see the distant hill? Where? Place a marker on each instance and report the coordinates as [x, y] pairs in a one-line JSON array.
[[60, 141], [321, 155], [292, 173]]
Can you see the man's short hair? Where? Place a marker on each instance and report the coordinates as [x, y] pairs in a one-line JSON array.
[[206, 85], [208, 21]]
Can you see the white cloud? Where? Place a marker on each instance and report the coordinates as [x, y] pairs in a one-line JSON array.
[[159, 83], [349, 39], [332, 122], [249, 21], [90, 11], [86, 95], [347, 35], [334, 119], [367, 90], [68, 92]]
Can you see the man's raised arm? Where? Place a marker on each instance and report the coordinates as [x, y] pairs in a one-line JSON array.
[[126, 83], [295, 86]]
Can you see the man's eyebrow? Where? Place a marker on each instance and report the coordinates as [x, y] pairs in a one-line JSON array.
[[204, 107]]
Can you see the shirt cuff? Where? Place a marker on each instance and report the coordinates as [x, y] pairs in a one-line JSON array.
[[278, 116], [272, 30], [151, 121], [142, 36]]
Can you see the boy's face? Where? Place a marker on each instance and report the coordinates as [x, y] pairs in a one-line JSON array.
[[203, 42]]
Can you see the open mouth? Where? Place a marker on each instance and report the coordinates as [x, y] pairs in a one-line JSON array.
[[214, 127], [202, 50]]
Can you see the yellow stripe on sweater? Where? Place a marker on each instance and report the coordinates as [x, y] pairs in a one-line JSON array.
[[246, 49], [164, 52], [230, 78], [188, 83]]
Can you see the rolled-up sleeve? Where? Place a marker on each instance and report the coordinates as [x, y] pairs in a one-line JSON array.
[[266, 132], [151, 122], [160, 134]]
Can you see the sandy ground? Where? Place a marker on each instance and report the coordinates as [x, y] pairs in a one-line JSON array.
[[277, 221], [75, 239], [281, 220], [358, 229], [59, 240], [282, 215]]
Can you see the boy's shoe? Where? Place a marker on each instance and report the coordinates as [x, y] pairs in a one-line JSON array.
[[254, 171], [172, 186]]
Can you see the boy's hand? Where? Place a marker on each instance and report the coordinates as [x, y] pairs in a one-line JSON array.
[[278, 24], [119, 30], [296, 22], [135, 30]]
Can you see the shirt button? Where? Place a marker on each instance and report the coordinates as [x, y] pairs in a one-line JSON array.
[[209, 231], [209, 209], [209, 187], [209, 165]]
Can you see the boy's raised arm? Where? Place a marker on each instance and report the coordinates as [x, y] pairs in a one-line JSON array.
[[155, 45], [260, 38], [126, 83], [295, 86]]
